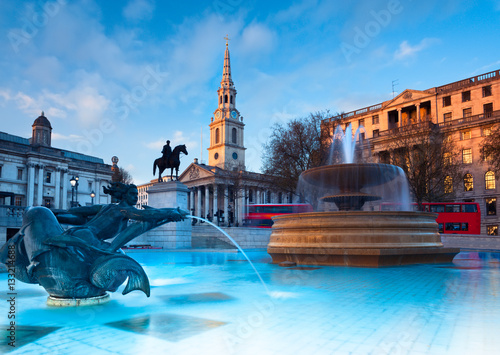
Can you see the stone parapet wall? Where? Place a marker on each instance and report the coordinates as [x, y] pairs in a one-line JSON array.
[[467, 241], [247, 238]]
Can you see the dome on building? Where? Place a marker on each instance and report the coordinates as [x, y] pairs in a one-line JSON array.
[[42, 121]]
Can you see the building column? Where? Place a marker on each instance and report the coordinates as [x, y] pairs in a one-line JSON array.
[[400, 118], [198, 202], [97, 191], [191, 199], [418, 114], [65, 189], [31, 185], [216, 205], [207, 201], [39, 196], [57, 197], [226, 204]]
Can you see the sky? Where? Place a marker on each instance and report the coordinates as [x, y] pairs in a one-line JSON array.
[[119, 78]]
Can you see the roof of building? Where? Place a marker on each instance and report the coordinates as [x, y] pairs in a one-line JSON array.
[[42, 121]]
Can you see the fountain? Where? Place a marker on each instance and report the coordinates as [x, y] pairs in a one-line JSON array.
[[351, 236]]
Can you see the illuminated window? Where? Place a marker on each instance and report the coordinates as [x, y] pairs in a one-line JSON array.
[[18, 200], [492, 230], [491, 206], [446, 101], [486, 131], [489, 180], [447, 159], [448, 185], [468, 182], [465, 135], [48, 177], [467, 156], [466, 96]]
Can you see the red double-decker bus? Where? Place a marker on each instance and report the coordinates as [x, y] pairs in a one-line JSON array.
[[453, 217], [260, 215]]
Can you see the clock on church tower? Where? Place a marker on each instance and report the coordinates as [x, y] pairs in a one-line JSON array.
[[227, 149]]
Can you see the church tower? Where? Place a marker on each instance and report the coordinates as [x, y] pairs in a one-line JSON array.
[[226, 149]]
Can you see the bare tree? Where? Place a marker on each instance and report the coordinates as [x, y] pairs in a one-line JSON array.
[[490, 148], [293, 148], [121, 175], [430, 160]]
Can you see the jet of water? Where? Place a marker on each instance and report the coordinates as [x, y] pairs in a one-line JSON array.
[[236, 245]]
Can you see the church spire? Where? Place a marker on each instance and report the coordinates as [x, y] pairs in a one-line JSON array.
[[226, 73]]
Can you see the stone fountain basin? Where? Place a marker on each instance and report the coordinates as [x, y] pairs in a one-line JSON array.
[[350, 176], [358, 238]]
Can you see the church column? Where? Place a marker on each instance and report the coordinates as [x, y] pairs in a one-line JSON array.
[[191, 200], [31, 184], [198, 202], [215, 205], [226, 204], [65, 189], [39, 196], [207, 201], [57, 196]]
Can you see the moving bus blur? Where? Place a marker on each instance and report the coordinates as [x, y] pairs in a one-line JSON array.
[[260, 215], [453, 217]]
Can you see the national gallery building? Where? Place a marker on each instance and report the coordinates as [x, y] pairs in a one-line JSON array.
[[33, 173], [464, 110]]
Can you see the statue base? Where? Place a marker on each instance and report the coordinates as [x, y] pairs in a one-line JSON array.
[[77, 302]]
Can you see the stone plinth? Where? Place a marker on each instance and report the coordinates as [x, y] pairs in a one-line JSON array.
[[173, 235], [358, 238]]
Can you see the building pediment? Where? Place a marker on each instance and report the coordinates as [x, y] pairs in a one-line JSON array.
[[196, 172], [407, 96]]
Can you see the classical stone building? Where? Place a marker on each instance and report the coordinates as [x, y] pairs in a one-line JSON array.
[[33, 173], [224, 188], [465, 110]]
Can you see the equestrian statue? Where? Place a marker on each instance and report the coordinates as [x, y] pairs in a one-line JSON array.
[[170, 159]]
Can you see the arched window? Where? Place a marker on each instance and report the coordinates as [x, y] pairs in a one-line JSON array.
[[231, 98], [217, 136], [225, 99], [448, 185], [233, 135], [468, 182], [489, 180], [220, 99]]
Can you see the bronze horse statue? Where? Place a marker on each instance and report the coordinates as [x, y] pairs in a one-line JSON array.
[[172, 162]]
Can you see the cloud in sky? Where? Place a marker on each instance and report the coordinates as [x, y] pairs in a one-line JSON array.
[[139, 10], [406, 50]]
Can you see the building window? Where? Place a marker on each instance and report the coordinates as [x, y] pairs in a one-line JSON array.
[[486, 90], [19, 174], [486, 131], [0, 171], [467, 156], [217, 136], [492, 230], [47, 202], [225, 99], [376, 133], [489, 180], [231, 98], [362, 136], [375, 119], [488, 110], [18, 201], [467, 112], [464, 135], [48, 177], [448, 185], [361, 123], [491, 206], [468, 182], [466, 96], [447, 117], [446, 101], [268, 197], [234, 133], [447, 160]]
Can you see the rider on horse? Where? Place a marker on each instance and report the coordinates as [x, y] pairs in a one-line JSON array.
[[166, 151]]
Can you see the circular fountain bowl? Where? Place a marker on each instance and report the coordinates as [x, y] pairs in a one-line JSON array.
[[350, 176], [358, 238]]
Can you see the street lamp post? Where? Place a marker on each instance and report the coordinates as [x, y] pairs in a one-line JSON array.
[[92, 195], [74, 187]]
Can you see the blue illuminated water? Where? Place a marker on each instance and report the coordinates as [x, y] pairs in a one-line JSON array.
[[213, 303]]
